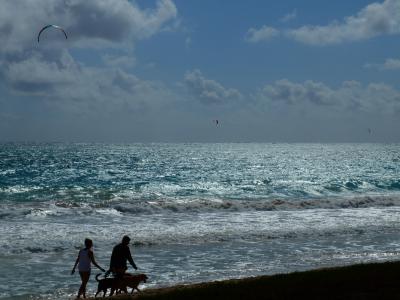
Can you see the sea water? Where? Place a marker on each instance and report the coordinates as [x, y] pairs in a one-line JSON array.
[[195, 212]]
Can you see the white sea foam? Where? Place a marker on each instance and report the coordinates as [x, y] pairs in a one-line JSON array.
[[209, 205], [195, 212], [210, 227], [120, 207], [17, 189], [177, 248]]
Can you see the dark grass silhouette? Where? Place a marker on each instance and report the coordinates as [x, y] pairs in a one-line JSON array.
[[365, 281]]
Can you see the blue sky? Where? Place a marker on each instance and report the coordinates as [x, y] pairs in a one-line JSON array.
[[139, 71]]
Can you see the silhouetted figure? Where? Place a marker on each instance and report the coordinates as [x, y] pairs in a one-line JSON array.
[[119, 257], [84, 260]]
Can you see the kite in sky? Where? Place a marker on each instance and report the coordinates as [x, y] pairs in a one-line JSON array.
[[53, 26]]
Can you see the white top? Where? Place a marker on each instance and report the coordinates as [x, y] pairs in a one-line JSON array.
[[84, 261]]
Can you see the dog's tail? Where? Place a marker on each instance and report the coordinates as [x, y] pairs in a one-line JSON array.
[[97, 277]]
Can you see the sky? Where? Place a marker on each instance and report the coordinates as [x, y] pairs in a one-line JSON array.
[[165, 70]]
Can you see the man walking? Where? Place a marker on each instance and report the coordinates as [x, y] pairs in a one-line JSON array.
[[119, 257]]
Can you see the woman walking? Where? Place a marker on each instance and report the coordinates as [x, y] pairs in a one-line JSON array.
[[85, 259]]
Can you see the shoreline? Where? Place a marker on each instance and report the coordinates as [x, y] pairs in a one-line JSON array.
[[361, 281]]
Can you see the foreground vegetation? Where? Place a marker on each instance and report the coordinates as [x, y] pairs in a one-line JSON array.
[[365, 281]]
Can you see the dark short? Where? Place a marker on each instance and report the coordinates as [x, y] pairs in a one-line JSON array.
[[118, 271]]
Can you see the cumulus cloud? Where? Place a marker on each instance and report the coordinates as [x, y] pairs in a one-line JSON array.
[[292, 93], [115, 21], [90, 23], [49, 70], [374, 20], [389, 64], [265, 33], [89, 89], [349, 96], [208, 91], [37, 76]]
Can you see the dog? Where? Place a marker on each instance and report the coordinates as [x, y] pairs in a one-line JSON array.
[[105, 284], [128, 280]]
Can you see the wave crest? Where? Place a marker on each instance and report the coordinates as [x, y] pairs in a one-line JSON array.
[[203, 205]]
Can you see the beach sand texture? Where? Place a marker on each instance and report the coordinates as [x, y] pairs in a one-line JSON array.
[[365, 281]]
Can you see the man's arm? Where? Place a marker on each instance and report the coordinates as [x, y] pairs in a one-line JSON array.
[[129, 257]]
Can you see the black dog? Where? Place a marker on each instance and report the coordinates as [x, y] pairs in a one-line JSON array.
[[104, 284]]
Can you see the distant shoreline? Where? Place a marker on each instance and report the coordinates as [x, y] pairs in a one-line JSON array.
[[362, 281]]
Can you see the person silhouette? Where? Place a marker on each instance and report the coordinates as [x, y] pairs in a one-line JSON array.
[[84, 260], [121, 254]]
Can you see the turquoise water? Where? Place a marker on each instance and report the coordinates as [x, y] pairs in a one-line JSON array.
[[195, 212]]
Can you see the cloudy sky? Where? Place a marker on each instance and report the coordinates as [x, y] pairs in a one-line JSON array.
[[163, 70]]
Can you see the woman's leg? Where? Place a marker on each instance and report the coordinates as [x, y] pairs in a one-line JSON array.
[[84, 278]]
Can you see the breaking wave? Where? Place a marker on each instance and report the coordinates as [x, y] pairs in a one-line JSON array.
[[145, 207]]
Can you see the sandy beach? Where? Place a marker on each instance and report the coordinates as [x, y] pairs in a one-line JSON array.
[[364, 281]]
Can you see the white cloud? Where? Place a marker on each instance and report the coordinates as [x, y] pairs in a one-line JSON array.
[[389, 64], [374, 20], [294, 93], [290, 16], [208, 91], [90, 23], [265, 33], [392, 64], [37, 76], [50, 71], [350, 96], [122, 61], [83, 90]]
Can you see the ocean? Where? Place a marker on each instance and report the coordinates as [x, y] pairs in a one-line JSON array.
[[194, 212]]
